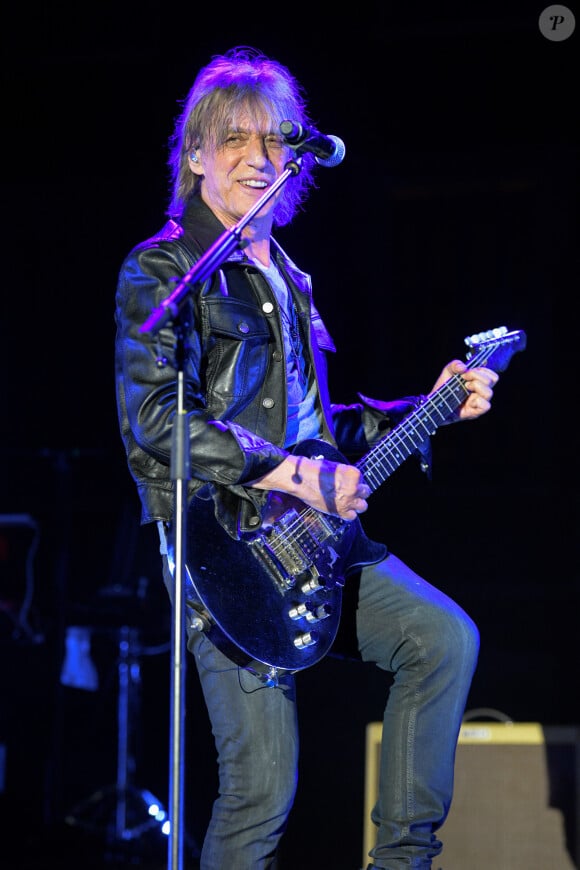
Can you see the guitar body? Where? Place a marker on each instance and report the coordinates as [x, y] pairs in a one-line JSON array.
[[272, 600]]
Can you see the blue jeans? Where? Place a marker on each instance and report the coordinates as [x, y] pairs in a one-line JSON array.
[[408, 628]]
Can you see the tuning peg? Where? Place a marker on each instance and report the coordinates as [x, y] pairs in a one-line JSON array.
[[479, 337]]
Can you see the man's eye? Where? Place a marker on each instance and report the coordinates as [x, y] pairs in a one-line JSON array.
[[274, 142], [236, 139], [240, 140]]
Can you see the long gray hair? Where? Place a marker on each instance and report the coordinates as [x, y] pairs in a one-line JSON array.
[[241, 80]]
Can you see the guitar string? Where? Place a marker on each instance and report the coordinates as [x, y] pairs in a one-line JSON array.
[[410, 433], [447, 388], [447, 391], [482, 356]]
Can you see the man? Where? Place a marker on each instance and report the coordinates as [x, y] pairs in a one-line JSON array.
[[255, 388]]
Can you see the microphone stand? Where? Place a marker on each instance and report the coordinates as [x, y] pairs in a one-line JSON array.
[[169, 310]]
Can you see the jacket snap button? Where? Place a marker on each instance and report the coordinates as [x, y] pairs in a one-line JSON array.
[[267, 307], [254, 521], [277, 355], [268, 403], [243, 327]]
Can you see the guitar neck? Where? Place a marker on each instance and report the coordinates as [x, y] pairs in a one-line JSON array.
[[493, 349], [392, 450]]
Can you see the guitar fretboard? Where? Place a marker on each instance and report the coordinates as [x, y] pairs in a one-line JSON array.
[[392, 450], [386, 456]]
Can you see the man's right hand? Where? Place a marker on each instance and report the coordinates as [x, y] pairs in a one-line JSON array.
[[330, 487]]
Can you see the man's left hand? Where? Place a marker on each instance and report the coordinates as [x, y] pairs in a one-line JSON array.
[[480, 383]]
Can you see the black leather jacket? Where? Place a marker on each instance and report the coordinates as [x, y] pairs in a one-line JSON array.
[[234, 373]]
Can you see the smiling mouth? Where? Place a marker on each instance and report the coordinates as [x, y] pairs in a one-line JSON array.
[[254, 184]]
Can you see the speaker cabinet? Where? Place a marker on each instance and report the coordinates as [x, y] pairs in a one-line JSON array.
[[516, 800]]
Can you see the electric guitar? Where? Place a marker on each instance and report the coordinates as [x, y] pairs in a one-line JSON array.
[[271, 601]]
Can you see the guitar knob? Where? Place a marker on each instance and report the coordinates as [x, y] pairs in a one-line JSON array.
[[297, 612], [313, 585], [311, 614], [320, 612], [309, 638]]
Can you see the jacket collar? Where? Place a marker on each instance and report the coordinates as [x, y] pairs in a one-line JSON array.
[[202, 228], [200, 224]]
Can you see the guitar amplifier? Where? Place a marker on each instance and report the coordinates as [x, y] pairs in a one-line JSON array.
[[516, 800]]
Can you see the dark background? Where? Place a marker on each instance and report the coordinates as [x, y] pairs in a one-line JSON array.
[[454, 211]]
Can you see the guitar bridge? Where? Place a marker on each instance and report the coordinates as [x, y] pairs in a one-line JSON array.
[[284, 557]]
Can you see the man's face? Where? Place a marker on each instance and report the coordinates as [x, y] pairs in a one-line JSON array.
[[237, 171]]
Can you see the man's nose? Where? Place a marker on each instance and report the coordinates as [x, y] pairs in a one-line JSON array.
[[256, 151]]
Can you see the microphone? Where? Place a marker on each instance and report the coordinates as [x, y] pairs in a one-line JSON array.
[[327, 150]]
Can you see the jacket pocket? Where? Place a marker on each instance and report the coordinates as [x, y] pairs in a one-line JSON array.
[[238, 338]]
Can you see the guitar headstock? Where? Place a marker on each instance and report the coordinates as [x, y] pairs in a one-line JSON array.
[[495, 347]]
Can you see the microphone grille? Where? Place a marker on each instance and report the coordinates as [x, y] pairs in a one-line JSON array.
[[337, 157]]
